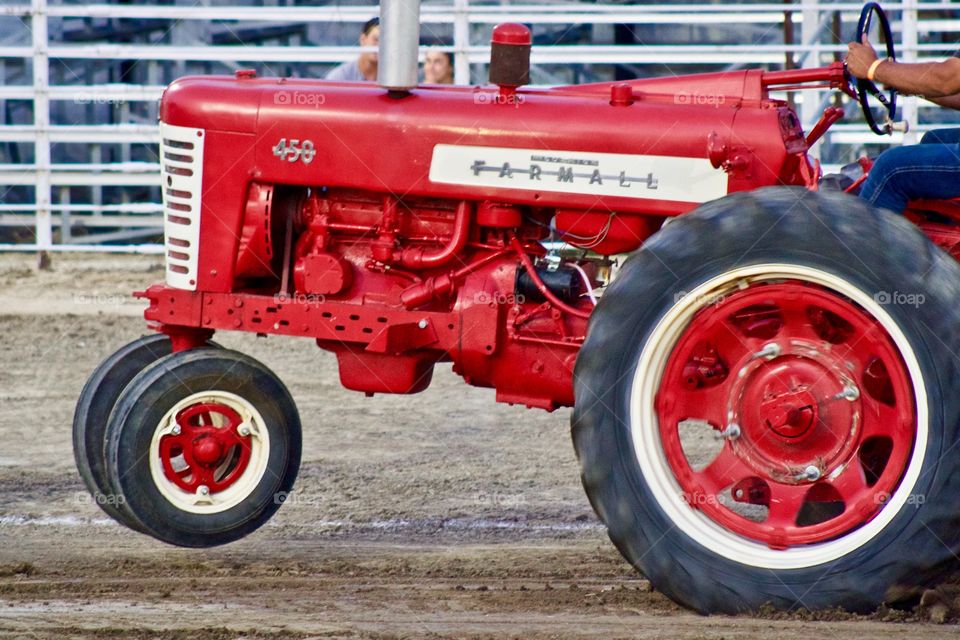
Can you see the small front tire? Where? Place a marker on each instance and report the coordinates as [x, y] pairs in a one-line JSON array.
[[204, 446]]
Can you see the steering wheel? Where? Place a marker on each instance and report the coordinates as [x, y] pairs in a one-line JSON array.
[[866, 88]]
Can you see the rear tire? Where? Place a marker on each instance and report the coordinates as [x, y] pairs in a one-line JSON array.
[[204, 446], [835, 287]]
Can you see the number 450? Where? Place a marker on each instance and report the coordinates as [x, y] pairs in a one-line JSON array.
[[295, 150]]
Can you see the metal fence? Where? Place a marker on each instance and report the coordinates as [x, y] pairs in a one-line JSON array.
[[113, 204]]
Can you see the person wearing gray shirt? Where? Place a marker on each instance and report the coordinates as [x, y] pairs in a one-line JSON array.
[[364, 68]]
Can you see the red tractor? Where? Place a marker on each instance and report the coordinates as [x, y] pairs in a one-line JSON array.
[[765, 392]]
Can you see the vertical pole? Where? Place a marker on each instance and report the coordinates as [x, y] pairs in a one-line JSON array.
[[96, 191], [811, 99], [908, 35], [789, 61], [66, 232], [3, 103], [125, 151], [461, 41], [41, 121], [399, 44], [837, 39]]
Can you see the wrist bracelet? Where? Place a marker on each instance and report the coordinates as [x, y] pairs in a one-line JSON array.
[[873, 69]]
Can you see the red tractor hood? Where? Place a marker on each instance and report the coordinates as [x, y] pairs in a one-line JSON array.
[[366, 138]]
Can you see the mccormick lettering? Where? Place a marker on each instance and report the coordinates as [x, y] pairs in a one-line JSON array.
[[556, 160]]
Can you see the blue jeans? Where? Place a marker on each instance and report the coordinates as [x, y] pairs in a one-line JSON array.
[[929, 170]]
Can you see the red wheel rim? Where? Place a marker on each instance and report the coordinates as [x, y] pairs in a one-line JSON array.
[[207, 448], [812, 405]]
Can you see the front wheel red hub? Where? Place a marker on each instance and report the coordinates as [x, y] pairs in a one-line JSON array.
[[207, 450], [810, 404]]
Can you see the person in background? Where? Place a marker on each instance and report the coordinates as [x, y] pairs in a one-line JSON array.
[[931, 169], [364, 68], [438, 67]]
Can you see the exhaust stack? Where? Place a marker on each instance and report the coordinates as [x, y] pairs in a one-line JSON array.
[[399, 44]]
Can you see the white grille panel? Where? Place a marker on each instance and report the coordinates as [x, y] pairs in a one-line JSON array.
[[181, 165]]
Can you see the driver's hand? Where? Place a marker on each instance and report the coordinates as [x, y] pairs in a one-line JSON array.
[[860, 55]]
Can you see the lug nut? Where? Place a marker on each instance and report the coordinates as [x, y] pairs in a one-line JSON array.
[[176, 430], [811, 473], [203, 490], [244, 429], [769, 351], [422, 324], [850, 392], [732, 432]]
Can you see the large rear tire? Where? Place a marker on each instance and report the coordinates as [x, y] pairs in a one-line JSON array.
[[766, 404]]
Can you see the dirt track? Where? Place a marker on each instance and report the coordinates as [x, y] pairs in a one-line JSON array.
[[436, 515]]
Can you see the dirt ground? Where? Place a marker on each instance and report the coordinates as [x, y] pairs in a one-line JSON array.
[[439, 515]]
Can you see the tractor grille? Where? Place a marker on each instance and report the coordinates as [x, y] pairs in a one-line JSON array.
[[181, 161]]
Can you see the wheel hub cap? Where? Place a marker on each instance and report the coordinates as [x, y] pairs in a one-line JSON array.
[[792, 414], [811, 406], [787, 417], [205, 452]]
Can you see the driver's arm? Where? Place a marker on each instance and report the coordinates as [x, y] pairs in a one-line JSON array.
[[932, 80], [950, 102]]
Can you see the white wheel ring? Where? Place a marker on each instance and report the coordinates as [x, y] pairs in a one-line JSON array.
[[649, 451], [242, 487]]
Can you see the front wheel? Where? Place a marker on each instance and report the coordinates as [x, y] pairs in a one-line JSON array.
[[204, 446], [96, 401], [766, 401]]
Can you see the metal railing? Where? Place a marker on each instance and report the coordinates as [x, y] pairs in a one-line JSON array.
[[465, 26]]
